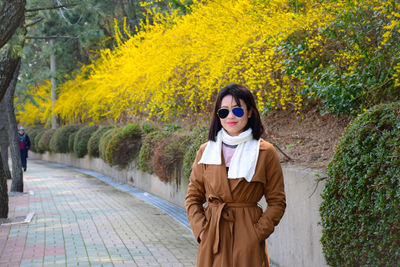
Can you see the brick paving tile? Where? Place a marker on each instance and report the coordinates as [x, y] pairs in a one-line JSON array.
[[82, 221]]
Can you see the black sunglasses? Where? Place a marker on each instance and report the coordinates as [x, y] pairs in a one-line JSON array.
[[224, 112]]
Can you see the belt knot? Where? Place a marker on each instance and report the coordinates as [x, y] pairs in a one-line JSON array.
[[227, 215]]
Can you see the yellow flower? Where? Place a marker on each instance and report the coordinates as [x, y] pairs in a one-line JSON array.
[[176, 65]]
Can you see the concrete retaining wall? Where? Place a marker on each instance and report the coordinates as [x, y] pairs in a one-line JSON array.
[[295, 241]]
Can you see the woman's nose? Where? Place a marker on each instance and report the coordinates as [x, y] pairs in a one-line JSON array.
[[230, 114]]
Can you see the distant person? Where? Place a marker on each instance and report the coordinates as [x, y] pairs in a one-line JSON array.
[[230, 175], [24, 145]]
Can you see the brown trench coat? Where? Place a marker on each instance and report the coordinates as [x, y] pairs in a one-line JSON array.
[[235, 227]]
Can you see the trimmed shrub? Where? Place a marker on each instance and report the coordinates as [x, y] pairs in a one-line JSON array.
[[104, 141], [35, 142], [124, 145], [32, 129], [94, 141], [60, 142], [32, 133], [81, 140], [44, 141], [360, 211], [168, 156], [147, 149], [71, 140], [28, 129], [197, 138]]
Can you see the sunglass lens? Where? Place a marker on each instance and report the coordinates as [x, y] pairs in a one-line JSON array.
[[223, 113], [238, 112]]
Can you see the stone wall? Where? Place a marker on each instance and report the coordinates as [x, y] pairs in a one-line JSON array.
[[295, 241]]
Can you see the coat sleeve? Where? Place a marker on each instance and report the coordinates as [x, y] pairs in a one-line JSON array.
[[274, 192], [195, 198]]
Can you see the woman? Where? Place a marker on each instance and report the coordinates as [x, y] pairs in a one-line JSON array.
[[231, 173]]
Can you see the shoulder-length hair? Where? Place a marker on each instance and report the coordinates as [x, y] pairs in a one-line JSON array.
[[238, 92]]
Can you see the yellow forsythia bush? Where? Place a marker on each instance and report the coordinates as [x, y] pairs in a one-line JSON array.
[[174, 67], [37, 111]]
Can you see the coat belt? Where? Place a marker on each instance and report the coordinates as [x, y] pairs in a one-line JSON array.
[[216, 217]]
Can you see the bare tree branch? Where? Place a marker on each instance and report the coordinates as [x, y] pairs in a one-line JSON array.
[[319, 179], [280, 150], [34, 22], [29, 16], [50, 37], [48, 8]]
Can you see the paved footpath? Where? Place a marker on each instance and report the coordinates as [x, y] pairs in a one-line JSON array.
[[81, 221]]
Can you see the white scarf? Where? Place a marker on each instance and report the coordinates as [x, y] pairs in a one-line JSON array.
[[244, 160]]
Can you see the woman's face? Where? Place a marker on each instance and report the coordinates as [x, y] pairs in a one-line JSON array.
[[234, 125]]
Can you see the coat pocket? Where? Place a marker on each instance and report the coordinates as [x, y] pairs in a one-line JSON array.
[[256, 216], [256, 235]]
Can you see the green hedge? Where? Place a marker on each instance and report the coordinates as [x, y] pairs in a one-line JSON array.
[[81, 140], [168, 156], [59, 143], [168, 153], [147, 149], [35, 141], [360, 211], [44, 141], [32, 132], [160, 139], [94, 140], [71, 140], [197, 138], [104, 141], [124, 145]]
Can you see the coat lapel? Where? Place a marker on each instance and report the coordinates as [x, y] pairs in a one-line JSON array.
[[259, 175], [219, 181]]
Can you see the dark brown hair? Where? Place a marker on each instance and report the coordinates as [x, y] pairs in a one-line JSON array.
[[237, 91]]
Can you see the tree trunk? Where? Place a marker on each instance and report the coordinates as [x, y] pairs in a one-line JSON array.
[[3, 192], [4, 138], [8, 64], [12, 15], [53, 70], [17, 184]]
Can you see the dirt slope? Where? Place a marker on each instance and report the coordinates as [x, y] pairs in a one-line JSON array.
[[309, 142]]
